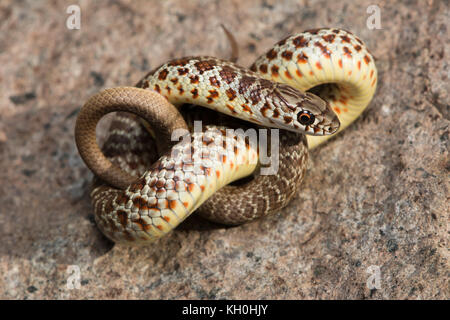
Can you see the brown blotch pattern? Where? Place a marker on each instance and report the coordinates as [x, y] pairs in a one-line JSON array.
[[300, 42], [263, 68], [287, 55], [183, 71], [142, 224], [276, 113], [194, 93], [347, 52], [323, 48], [139, 203], [282, 42], [227, 74], [245, 83], [194, 79], [213, 94], [179, 62], [287, 119], [144, 84], [163, 74], [214, 82], [329, 38], [345, 38], [231, 94], [274, 70], [255, 96], [203, 66], [272, 54]]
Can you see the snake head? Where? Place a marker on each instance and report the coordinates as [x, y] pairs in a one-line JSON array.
[[302, 112]]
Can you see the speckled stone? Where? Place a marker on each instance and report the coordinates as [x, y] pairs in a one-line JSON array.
[[376, 195]]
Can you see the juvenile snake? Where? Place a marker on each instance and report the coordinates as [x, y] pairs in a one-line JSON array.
[[193, 174]]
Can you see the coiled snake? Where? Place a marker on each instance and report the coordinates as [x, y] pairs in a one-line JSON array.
[[195, 174]]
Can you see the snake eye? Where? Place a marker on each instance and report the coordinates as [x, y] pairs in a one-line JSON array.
[[306, 118]]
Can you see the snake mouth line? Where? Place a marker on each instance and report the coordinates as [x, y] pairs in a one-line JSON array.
[[326, 131]]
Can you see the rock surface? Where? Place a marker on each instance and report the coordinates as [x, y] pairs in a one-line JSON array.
[[374, 198]]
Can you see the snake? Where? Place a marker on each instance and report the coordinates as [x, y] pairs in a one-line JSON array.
[[308, 86]]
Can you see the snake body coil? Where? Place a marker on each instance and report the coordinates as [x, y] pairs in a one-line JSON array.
[[333, 62]]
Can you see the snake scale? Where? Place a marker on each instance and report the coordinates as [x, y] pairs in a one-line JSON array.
[[138, 197]]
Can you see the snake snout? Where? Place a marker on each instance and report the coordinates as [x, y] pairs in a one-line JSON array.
[[335, 125], [333, 120], [330, 123]]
